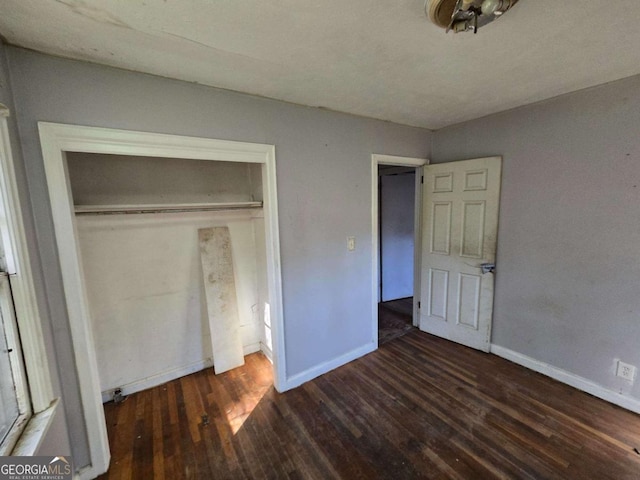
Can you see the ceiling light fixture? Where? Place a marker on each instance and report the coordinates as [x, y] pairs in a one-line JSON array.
[[465, 15]]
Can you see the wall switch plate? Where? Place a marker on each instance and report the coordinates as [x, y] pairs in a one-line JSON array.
[[351, 243], [626, 371]]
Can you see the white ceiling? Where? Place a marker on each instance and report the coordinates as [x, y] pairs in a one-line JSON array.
[[376, 58]]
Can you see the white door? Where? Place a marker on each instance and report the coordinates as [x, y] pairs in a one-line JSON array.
[[459, 231]]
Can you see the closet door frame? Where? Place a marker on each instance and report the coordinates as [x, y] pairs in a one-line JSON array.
[[57, 139]]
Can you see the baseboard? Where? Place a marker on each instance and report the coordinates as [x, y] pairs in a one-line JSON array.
[[159, 379], [581, 383], [313, 372], [267, 352], [249, 349]]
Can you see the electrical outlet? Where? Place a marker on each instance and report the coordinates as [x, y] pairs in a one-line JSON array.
[[351, 243], [626, 371]]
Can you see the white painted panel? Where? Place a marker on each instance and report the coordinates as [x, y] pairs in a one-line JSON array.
[[144, 283], [468, 299], [475, 180], [438, 292], [443, 182], [441, 228], [472, 229], [216, 256]]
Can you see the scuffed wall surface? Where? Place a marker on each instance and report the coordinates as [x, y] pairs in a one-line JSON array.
[[567, 269], [145, 289]]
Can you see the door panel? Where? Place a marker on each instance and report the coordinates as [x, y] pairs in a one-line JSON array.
[[441, 228], [472, 229], [439, 282], [460, 223]]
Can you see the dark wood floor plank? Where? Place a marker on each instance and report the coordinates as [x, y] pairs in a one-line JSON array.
[[338, 449], [400, 433], [450, 426], [144, 436], [273, 436], [472, 401], [309, 461], [223, 408], [419, 407], [158, 436], [189, 461], [385, 439], [253, 393]]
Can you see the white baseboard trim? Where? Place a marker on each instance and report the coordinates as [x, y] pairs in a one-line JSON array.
[[313, 372], [249, 349], [267, 352], [581, 383], [158, 379], [164, 377]]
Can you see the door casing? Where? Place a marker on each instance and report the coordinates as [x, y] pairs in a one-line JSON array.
[[418, 163]]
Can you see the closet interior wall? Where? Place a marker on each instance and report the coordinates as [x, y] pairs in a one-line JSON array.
[[143, 270]]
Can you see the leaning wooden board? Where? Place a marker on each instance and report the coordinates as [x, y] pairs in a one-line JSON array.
[[220, 292]]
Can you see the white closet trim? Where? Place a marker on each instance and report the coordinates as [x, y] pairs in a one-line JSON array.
[[56, 140]]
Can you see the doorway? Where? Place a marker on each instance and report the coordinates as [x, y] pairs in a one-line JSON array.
[[396, 196], [456, 225], [397, 233], [57, 141]]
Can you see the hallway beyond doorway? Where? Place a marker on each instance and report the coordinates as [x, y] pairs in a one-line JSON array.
[[394, 319]]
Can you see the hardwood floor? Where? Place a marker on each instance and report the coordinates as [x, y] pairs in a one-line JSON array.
[[418, 407], [395, 318], [401, 305]]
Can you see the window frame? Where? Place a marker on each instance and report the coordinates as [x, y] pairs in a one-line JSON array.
[[37, 402], [7, 311]]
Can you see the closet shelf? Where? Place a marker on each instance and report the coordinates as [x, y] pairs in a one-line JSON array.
[[163, 208]]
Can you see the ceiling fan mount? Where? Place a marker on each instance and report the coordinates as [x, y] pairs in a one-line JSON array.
[[466, 15]]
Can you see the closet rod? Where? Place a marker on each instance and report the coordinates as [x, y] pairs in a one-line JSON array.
[[169, 208]]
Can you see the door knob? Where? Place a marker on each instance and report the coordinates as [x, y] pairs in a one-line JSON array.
[[488, 267]]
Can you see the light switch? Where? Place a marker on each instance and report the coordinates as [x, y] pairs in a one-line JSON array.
[[351, 243]]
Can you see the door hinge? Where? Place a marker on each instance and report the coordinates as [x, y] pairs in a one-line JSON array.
[[419, 305], [422, 179]]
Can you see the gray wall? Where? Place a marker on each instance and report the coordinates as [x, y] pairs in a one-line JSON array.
[[324, 190], [397, 230], [567, 290], [57, 440]]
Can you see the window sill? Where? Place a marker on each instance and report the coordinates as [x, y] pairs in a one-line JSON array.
[[35, 431]]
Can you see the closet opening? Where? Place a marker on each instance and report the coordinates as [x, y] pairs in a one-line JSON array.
[[170, 261], [174, 260]]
